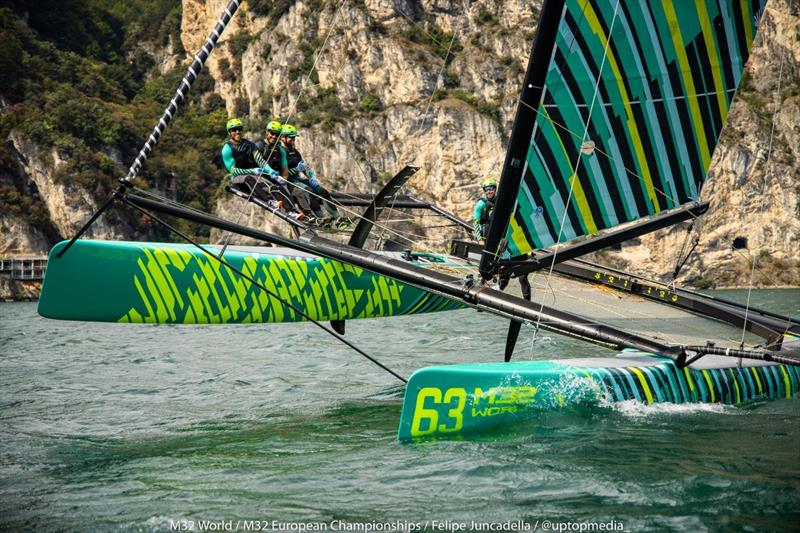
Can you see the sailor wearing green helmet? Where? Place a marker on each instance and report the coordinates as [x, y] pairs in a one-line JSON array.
[[271, 148], [246, 165], [484, 208], [274, 153], [482, 217], [301, 174]]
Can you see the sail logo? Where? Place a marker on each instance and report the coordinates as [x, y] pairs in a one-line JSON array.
[[501, 400]]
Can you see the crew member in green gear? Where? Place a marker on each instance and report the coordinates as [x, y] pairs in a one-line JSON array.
[[301, 173], [245, 166], [482, 217], [484, 208], [274, 153]]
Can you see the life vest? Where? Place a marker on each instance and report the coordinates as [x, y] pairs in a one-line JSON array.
[[293, 157], [243, 153], [273, 157], [486, 215]]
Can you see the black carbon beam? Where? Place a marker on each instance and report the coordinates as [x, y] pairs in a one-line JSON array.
[[376, 206], [548, 258], [491, 300]]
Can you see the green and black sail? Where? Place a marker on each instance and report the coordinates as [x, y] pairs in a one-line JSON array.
[[623, 105]]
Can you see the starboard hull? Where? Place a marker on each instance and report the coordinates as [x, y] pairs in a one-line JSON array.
[[455, 400], [110, 281]]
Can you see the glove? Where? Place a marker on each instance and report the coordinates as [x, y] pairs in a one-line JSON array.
[[274, 175], [302, 166], [258, 171]]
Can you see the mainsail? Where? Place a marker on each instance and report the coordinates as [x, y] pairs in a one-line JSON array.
[[624, 119]]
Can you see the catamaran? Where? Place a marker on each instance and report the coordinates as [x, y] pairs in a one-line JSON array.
[[621, 109]]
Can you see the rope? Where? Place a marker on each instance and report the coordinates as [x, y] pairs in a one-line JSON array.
[[577, 163], [293, 109], [767, 162], [183, 88], [261, 286]]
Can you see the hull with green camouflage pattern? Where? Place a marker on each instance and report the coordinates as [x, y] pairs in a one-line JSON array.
[[134, 282]]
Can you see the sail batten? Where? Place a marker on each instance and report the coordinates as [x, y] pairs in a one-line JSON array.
[[634, 99]]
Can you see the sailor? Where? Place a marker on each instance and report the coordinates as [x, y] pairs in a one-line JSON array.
[[245, 165], [301, 174], [484, 208], [482, 216], [274, 153]]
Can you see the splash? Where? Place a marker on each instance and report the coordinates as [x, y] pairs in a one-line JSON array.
[[637, 409]]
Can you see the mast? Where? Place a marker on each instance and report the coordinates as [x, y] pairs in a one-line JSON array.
[[533, 91]]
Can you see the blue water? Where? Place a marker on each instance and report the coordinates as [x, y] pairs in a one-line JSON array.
[[108, 427]]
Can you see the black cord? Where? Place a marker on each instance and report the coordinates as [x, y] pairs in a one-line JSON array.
[[263, 288]]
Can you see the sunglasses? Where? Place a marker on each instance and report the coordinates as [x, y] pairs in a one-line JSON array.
[[235, 130], [490, 189]]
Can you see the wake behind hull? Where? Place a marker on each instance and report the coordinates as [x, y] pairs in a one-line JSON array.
[[454, 400], [110, 281]]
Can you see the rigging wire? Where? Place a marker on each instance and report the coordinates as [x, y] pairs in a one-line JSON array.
[[439, 80], [577, 163], [767, 165], [417, 239], [682, 256], [263, 287], [318, 54], [292, 110], [423, 120], [618, 162]]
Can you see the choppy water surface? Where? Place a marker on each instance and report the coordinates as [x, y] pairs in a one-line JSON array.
[[132, 428]]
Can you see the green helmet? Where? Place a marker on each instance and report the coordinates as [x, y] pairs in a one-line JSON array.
[[275, 126], [289, 131], [491, 183], [233, 123]]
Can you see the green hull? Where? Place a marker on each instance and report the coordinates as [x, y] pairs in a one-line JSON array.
[[454, 400], [111, 281]]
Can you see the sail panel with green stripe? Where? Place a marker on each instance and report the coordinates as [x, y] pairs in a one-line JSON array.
[[633, 102]]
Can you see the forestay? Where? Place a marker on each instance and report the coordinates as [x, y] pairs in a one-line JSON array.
[[635, 96]]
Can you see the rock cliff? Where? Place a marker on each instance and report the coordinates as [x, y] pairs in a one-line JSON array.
[[376, 84], [450, 113]]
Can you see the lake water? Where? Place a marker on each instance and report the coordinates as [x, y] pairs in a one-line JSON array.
[[156, 428]]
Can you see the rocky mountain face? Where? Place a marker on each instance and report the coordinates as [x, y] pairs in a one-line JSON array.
[[376, 84]]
